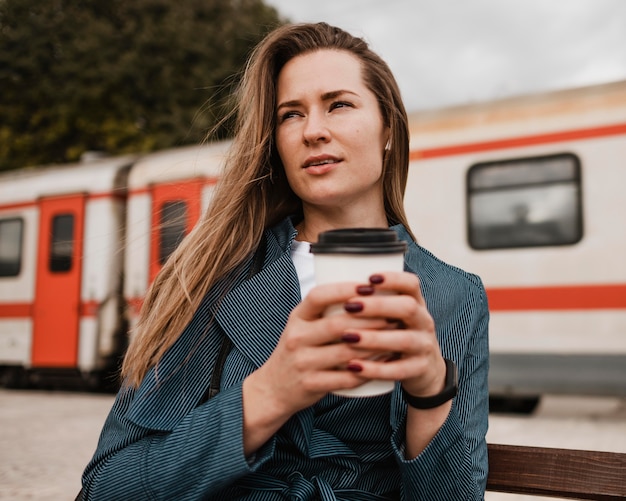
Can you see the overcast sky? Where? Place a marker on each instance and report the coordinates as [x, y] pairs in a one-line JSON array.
[[448, 52]]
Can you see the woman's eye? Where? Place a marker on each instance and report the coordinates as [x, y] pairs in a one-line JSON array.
[[340, 104], [287, 115]]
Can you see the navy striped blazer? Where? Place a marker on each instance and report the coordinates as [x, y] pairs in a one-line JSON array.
[[163, 441]]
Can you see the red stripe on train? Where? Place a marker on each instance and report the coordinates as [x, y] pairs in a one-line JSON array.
[[515, 142], [25, 310], [16, 310], [565, 297], [115, 194]]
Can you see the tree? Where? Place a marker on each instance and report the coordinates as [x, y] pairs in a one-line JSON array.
[[116, 75]]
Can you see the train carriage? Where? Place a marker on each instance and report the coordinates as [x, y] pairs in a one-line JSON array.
[[62, 233], [528, 192]]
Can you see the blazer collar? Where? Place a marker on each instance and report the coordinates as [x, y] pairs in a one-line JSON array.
[[254, 314]]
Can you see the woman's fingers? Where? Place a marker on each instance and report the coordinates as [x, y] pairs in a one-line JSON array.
[[405, 310], [322, 317], [399, 283], [329, 356], [411, 338], [380, 329], [331, 380], [322, 297]]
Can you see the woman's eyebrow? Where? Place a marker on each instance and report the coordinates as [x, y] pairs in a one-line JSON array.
[[288, 104], [336, 93], [326, 96]]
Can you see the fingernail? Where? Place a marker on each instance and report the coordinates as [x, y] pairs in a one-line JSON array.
[[350, 337], [353, 307], [365, 290], [354, 367], [377, 279]]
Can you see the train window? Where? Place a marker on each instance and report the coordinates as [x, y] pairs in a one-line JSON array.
[[62, 243], [11, 247], [172, 228], [525, 202]]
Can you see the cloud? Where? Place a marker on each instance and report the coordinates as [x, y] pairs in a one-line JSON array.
[[458, 51]]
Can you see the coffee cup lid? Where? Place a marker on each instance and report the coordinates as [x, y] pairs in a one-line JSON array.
[[358, 241]]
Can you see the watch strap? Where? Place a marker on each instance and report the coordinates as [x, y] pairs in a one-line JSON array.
[[448, 393]]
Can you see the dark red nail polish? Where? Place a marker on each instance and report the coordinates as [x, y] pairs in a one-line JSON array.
[[365, 290], [353, 307], [377, 279], [350, 337], [354, 367]]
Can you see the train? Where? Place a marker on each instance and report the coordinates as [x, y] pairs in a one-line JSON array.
[[526, 191]]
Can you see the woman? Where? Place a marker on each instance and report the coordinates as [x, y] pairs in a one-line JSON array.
[[322, 143]]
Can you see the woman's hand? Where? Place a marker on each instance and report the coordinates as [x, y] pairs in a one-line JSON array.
[[313, 354], [418, 363], [318, 354], [312, 358]]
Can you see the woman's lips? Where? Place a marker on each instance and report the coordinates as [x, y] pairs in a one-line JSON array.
[[321, 168], [320, 164]]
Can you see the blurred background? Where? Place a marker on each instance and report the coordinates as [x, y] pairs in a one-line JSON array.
[[118, 77], [518, 134]]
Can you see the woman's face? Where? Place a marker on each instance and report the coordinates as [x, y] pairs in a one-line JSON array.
[[330, 134]]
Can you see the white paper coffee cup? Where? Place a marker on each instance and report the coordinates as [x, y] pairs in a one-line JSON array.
[[353, 255]]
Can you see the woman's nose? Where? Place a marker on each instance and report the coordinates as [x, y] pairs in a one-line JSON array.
[[315, 129]]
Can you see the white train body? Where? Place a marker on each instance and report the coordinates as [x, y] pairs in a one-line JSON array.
[[526, 192], [552, 193]]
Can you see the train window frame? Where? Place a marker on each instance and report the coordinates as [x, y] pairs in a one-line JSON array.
[[59, 259], [166, 244], [13, 268], [564, 187]]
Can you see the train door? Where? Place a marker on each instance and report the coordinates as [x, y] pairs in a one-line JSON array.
[[57, 289], [175, 210]]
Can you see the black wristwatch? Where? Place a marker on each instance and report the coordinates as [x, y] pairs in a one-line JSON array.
[[448, 393]]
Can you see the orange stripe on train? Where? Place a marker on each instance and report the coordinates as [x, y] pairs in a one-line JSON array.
[[515, 142], [563, 297]]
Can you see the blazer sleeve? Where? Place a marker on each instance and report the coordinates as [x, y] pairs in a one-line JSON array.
[[201, 454], [455, 465]]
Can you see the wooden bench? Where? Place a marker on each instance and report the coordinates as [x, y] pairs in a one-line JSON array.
[[562, 473]]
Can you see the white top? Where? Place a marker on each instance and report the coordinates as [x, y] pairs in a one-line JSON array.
[[303, 261]]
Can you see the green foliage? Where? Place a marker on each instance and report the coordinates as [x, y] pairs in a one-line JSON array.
[[118, 75]]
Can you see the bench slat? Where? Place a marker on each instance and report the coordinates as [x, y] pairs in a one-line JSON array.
[[565, 473]]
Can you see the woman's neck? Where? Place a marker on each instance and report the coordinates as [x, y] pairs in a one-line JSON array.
[[312, 224]]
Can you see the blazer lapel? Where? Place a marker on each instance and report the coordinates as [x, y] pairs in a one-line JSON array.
[[254, 314]]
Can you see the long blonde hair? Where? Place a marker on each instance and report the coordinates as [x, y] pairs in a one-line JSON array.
[[253, 193]]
